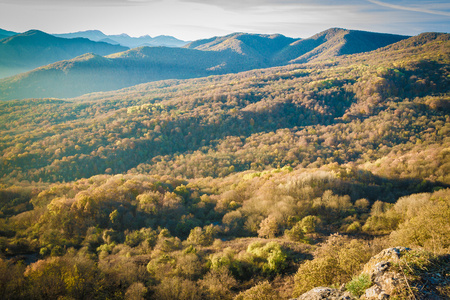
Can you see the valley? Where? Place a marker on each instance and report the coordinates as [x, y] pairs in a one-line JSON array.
[[235, 167]]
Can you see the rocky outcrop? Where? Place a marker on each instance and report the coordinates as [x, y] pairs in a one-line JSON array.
[[385, 279], [389, 274], [319, 293]]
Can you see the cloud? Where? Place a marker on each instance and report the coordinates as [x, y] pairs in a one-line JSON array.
[[416, 9], [78, 3], [412, 5], [239, 5]]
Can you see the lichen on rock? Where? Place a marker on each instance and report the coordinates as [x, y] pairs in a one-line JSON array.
[[385, 279], [319, 293]]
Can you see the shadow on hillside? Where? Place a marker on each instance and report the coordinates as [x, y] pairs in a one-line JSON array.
[[364, 184]]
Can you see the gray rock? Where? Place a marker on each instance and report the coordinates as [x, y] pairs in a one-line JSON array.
[[384, 279], [319, 293]]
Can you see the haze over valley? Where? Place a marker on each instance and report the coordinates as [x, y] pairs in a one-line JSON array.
[[88, 68]]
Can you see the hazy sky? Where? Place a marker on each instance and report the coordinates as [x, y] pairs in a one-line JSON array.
[[195, 19]]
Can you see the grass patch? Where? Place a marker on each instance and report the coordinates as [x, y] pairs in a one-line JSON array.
[[359, 284]]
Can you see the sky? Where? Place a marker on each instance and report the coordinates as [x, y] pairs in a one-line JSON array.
[[196, 19]]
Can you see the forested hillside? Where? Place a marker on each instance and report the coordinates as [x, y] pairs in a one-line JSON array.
[[266, 182]]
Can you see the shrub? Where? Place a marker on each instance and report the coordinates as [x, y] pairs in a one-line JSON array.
[[261, 291], [335, 262], [218, 283], [310, 224], [354, 227], [161, 266], [428, 228], [228, 259], [234, 221], [272, 255], [176, 288], [166, 242], [11, 279], [189, 266], [269, 227], [136, 291], [134, 238], [202, 237], [380, 224], [362, 204], [296, 233], [425, 274], [359, 284]]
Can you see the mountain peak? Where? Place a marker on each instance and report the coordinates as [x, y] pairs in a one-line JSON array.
[[93, 31], [334, 42], [93, 35], [34, 48], [33, 36], [124, 39], [7, 32], [86, 56], [34, 32], [330, 33], [246, 44]]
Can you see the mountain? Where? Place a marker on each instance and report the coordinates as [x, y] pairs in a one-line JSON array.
[[109, 41], [334, 42], [277, 49], [220, 55], [257, 49], [244, 44], [126, 40], [93, 35], [419, 40], [168, 41], [90, 72], [131, 42], [34, 48], [7, 33], [215, 107]]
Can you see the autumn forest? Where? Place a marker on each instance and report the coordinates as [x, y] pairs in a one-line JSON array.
[[260, 184]]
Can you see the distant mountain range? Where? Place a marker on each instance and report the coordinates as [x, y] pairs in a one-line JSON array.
[[26, 51], [90, 72], [126, 40], [279, 50], [219, 55]]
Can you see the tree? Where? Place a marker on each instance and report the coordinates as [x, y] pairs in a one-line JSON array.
[[202, 237], [261, 291], [269, 227]]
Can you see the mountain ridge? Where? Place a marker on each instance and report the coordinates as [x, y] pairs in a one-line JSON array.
[[219, 55], [334, 42], [6, 33], [126, 40], [35, 48], [88, 73]]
